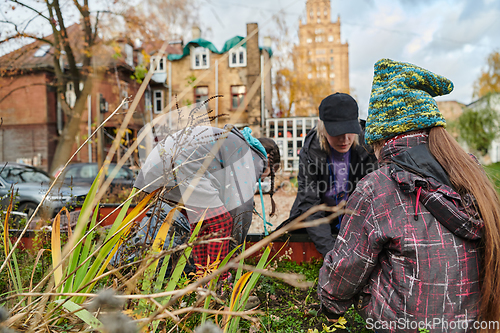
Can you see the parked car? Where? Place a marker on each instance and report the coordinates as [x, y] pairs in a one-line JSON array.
[[85, 173], [30, 184]]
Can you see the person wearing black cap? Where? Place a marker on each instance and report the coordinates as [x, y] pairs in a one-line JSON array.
[[331, 163]]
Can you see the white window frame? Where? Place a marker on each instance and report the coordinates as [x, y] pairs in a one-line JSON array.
[[309, 40], [129, 55], [70, 94], [124, 94], [42, 51], [318, 39], [330, 38], [240, 51], [158, 69], [155, 99], [197, 53]]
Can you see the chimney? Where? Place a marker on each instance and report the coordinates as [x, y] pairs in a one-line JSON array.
[[253, 73], [195, 32]]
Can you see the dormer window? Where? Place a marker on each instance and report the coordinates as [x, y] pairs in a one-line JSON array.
[[200, 58], [42, 51], [238, 57], [161, 67]]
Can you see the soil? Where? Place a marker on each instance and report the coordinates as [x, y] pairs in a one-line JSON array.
[[284, 198]]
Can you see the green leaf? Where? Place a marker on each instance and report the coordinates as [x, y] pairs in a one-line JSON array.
[[81, 313]]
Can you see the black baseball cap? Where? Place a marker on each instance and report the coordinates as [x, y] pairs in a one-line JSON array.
[[339, 113]]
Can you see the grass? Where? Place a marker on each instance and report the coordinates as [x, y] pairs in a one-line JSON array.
[[493, 172]]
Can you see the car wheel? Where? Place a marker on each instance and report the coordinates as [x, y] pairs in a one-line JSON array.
[[27, 208]]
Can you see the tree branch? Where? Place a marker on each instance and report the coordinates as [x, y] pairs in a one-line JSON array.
[[30, 8]]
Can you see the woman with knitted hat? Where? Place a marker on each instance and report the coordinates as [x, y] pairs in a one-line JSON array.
[[421, 248]]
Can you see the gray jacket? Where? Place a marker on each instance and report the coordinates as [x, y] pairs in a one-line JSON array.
[[206, 167]]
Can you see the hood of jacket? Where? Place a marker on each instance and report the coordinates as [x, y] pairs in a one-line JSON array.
[[238, 133], [417, 171]]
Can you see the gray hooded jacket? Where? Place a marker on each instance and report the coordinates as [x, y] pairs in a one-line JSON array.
[[206, 167]]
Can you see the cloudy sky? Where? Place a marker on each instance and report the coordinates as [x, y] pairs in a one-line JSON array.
[[450, 37]]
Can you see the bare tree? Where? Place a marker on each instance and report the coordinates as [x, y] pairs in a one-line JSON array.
[[99, 23]]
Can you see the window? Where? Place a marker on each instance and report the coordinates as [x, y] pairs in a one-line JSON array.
[[124, 94], [309, 40], [331, 50], [157, 101], [331, 59], [238, 57], [237, 96], [320, 51], [70, 94], [318, 31], [200, 94], [129, 55], [319, 39], [200, 58], [161, 68], [332, 75], [325, 13], [42, 51], [330, 38], [319, 20], [309, 76], [24, 174]]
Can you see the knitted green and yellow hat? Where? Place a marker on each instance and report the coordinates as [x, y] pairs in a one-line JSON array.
[[402, 100]]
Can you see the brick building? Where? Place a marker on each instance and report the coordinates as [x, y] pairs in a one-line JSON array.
[[230, 72], [31, 110], [321, 55]]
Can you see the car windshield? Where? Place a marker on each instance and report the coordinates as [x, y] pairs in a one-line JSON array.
[[23, 174], [89, 172]]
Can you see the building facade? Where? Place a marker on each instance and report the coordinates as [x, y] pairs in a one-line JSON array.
[[240, 74], [32, 111], [321, 54]]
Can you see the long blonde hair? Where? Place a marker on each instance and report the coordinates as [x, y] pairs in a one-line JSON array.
[[323, 141], [469, 177]]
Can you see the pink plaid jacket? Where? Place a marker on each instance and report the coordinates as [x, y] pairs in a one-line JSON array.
[[411, 252]]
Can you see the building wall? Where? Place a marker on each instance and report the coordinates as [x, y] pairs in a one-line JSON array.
[[321, 53], [113, 88], [28, 111], [183, 74], [23, 99]]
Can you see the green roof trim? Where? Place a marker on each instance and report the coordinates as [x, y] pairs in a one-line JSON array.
[[229, 44], [199, 42], [268, 49]]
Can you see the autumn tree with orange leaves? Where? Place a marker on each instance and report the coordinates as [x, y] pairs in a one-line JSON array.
[[298, 91], [100, 23], [489, 79]]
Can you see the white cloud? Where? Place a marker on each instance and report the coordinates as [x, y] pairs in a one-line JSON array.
[[452, 38]]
